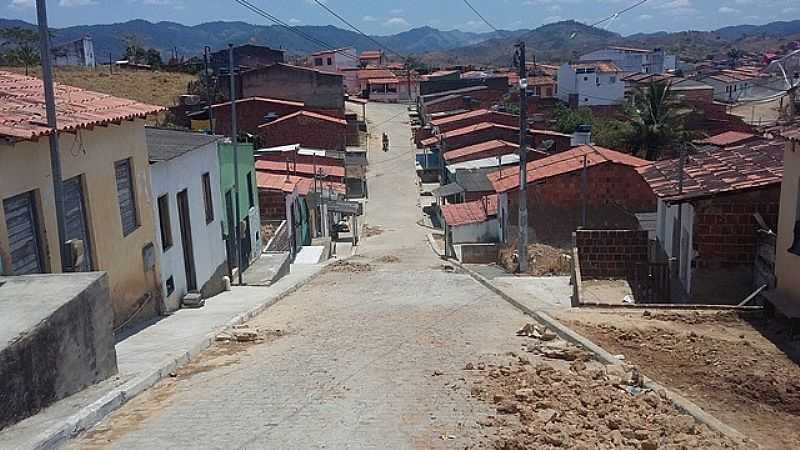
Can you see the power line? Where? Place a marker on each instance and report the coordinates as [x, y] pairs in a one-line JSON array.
[[619, 13], [346, 22], [466, 2], [255, 9]]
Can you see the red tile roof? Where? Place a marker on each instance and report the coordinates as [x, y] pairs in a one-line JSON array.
[[727, 138], [716, 170], [482, 147], [457, 117], [300, 168], [562, 163], [465, 130], [22, 110], [792, 134], [366, 74], [261, 99], [281, 182], [370, 54], [477, 211], [305, 113], [600, 66]]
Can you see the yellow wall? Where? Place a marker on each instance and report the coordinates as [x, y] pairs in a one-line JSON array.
[[92, 153], [787, 265]]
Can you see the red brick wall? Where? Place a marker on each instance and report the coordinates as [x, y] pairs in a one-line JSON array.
[[250, 114], [488, 134], [272, 204], [480, 99], [725, 230], [306, 131], [555, 208], [612, 254]]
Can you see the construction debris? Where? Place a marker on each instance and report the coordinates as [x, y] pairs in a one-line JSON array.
[[536, 332], [349, 266]]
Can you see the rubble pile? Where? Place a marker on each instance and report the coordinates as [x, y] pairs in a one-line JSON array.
[[349, 266]]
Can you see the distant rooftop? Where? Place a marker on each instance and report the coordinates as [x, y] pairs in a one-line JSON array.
[[163, 144]]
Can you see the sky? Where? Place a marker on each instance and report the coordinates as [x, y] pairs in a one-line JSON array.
[[392, 16]]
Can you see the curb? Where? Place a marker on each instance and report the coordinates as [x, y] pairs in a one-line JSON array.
[[683, 404], [91, 415]]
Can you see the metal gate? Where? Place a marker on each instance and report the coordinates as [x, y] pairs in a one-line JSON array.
[[23, 234], [75, 219]]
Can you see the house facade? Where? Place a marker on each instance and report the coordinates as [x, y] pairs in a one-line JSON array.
[[251, 113], [709, 226], [187, 205], [730, 87], [246, 57], [316, 89], [105, 169], [76, 53], [591, 84], [634, 59], [372, 58], [329, 133], [335, 60], [787, 251], [249, 245]]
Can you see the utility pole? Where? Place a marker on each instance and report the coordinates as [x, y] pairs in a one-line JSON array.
[[676, 240], [206, 50], [50, 109], [234, 141], [523, 159]]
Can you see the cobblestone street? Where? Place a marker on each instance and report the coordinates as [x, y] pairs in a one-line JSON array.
[[369, 358]]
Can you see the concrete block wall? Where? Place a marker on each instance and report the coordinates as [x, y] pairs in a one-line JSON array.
[[611, 254], [476, 253], [56, 338]]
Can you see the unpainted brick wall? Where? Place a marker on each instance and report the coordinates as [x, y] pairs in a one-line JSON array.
[[610, 253], [307, 131]]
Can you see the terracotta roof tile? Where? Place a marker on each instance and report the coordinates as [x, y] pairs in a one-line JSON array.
[[22, 110], [727, 138], [392, 80], [565, 162], [366, 74], [305, 114], [792, 134], [479, 148], [300, 168], [284, 183], [715, 170], [477, 211], [457, 117]]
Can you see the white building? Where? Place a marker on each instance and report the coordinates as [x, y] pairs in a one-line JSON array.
[[634, 59], [335, 60], [185, 189], [591, 84], [75, 53], [730, 87]]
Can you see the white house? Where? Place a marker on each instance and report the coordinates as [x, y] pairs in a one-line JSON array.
[[591, 84], [634, 59], [730, 87], [76, 53], [335, 60], [185, 189]]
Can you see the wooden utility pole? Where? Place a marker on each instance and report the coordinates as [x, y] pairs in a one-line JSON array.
[[523, 159]]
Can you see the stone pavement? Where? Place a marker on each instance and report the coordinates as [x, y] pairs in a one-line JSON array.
[[146, 355], [369, 356]]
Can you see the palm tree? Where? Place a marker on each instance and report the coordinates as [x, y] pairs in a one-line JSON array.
[[657, 120]]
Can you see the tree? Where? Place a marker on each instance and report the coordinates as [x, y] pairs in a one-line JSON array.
[[734, 55], [568, 119], [612, 133], [657, 120], [152, 58], [24, 46]]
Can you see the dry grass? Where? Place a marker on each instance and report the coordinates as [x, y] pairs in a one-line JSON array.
[[157, 88]]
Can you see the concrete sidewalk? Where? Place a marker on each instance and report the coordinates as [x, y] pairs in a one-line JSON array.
[[148, 354]]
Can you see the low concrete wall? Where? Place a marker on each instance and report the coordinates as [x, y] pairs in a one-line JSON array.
[[476, 253], [56, 338]]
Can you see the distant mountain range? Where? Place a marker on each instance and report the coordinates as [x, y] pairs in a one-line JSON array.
[[554, 42]]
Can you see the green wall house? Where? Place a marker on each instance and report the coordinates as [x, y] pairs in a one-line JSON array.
[[250, 221]]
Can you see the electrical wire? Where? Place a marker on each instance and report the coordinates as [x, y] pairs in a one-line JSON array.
[[477, 13], [259, 11], [357, 30], [619, 13]]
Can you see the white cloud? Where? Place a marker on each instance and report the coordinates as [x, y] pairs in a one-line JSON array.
[[22, 4], [645, 17], [295, 21], [369, 19], [395, 22], [396, 11], [71, 3], [675, 4], [551, 19], [728, 10]]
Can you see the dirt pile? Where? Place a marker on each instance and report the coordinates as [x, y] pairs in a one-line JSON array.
[[348, 267], [737, 367], [542, 260], [388, 259], [369, 231], [545, 407]]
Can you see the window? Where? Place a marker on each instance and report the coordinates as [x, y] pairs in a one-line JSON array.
[[330, 62], [22, 225], [612, 80], [126, 195], [164, 223], [795, 248], [317, 61], [250, 199], [208, 197], [585, 78]]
